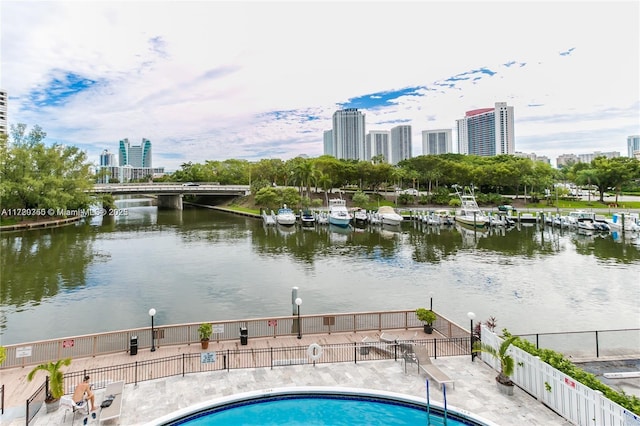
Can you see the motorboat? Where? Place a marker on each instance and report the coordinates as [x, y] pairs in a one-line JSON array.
[[361, 217], [388, 216], [469, 213], [307, 218], [285, 216], [338, 213], [629, 221], [443, 217]]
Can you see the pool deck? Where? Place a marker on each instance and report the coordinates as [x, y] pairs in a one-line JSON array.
[[475, 390]]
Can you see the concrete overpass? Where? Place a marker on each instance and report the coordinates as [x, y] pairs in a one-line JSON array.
[[170, 194]]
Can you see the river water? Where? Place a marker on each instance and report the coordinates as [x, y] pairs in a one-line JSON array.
[[201, 265]]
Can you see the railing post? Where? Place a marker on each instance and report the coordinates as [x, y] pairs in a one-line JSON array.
[[135, 373], [355, 353], [228, 360], [271, 356], [597, 346], [435, 348], [183, 368]]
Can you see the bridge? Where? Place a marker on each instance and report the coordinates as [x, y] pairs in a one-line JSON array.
[[170, 194]]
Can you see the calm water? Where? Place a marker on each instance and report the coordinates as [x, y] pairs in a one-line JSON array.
[[201, 265]]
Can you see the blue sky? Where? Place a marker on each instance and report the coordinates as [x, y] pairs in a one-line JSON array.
[[208, 80]]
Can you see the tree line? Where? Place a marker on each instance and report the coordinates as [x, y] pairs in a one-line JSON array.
[[34, 175]]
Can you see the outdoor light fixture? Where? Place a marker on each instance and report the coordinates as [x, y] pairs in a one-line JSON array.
[[152, 312], [471, 316], [299, 303]]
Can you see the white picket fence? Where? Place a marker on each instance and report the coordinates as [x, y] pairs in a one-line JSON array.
[[572, 400]]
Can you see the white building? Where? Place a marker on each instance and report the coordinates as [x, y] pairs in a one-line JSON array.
[[378, 143], [400, 143], [3, 112], [436, 142], [349, 134], [633, 146], [328, 143], [487, 131]]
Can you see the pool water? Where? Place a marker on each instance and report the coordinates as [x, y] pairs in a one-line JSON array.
[[318, 410]]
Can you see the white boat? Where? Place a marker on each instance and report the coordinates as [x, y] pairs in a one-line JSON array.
[[443, 217], [307, 218], [338, 213], [582, 220], [285, 216], [360, 216], [469, 213], [388, 216], [630, 220]]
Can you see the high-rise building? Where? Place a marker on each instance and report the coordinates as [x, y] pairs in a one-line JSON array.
[[400, 143], [135, 155], [438, 141], [487, 131], [348, 134], [107, 159], [378, 143], [3, 112], [328, 142], [633, 146]]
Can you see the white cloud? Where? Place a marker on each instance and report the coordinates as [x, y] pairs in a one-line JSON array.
[[201, 79]]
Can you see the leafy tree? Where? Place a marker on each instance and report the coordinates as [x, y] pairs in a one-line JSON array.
[[33, 175]]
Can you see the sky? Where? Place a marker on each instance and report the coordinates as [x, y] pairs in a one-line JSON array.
[[210, 80]]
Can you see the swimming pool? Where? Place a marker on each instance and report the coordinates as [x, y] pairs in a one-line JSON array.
[[318, 406]]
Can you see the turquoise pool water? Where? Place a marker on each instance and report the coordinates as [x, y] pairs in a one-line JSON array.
[[316, 410]]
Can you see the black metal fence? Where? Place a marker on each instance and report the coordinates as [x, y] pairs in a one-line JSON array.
[[232, 359], [589, 344], [2, 399], [35, 401]]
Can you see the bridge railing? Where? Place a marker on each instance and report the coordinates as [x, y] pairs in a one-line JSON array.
[[119, 341]]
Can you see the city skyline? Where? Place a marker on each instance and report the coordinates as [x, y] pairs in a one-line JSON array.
[[211, 80]]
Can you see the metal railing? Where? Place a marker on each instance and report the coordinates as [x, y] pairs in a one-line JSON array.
[[35, 401], [589, 344], [91, 345], [273, 357]]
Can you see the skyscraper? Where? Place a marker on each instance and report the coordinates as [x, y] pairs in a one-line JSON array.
[[633, 146], [378, 144], [135, 155], [328, 142], [3, 112], [348, 134], [487, 131], [400, 143], [435, 142], [107, 158]]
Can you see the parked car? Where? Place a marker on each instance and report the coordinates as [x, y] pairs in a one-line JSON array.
[[190, 184], [506, 208], [409, 191]]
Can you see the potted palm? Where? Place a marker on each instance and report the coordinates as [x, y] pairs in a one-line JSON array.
[[428, 317], [504, 383], [56, 382], [205, 330]]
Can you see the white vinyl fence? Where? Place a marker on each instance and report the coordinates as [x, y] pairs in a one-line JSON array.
[[572, 400]]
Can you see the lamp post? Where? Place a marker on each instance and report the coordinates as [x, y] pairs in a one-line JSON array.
[[299, 303], [471, 316], [152, 312]]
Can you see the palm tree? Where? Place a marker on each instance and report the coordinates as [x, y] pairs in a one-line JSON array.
[[506, 361], [56, 377]]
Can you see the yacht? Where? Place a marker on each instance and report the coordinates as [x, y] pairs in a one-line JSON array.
[[388, 216], [469, 213], [338, 213], [286, 216]]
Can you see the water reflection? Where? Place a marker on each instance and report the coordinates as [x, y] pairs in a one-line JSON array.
[[200, 264]]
